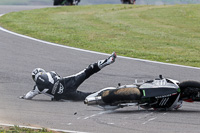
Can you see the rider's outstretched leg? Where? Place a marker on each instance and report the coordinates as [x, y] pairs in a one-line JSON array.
[[93, 68]]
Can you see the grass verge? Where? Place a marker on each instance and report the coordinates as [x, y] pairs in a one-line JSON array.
[[17, 129], [168, 33]]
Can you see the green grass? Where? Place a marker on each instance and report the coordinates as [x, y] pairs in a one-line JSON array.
[[168, 33], [17, 129]]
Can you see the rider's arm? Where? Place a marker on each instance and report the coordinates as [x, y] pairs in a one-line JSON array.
[[31, 93]]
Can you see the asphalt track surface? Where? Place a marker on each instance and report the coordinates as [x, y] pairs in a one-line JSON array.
[[19, 56]]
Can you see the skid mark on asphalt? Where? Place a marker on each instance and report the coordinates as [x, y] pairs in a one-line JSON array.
[[145, 116], [69, 124], [149, 120], [93, 115], [152, 116]]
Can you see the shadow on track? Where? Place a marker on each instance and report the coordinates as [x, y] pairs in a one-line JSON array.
[[46, 100], [153, 111]]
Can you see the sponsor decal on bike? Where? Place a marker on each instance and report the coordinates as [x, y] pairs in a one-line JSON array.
[[164, 96], [163, 101]]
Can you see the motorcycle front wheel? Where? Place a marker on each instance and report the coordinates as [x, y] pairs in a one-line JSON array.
[[190, 90], [57, 2]]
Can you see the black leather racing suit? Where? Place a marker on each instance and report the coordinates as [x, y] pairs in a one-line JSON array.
[[51, 84]]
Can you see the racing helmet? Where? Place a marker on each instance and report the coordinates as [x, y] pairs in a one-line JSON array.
[[36, 72]]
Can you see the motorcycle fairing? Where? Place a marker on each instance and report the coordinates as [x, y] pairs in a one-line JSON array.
[[166, 102], [159, 88]]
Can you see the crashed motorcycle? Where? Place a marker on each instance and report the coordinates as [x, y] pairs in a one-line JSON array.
[[158, 94], [66, 2], [128, 1]]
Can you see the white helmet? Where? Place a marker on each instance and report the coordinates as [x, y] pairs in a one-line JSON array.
[[36, 72]]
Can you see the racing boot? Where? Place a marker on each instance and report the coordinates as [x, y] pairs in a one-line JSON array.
[[108, 61]]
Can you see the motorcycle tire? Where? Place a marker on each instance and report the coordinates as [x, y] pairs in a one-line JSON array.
[[57, 2], [189, 88], [121, 95], [127, 1], [185, 84]]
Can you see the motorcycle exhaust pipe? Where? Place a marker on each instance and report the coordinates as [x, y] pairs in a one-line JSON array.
[[93, 100]]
